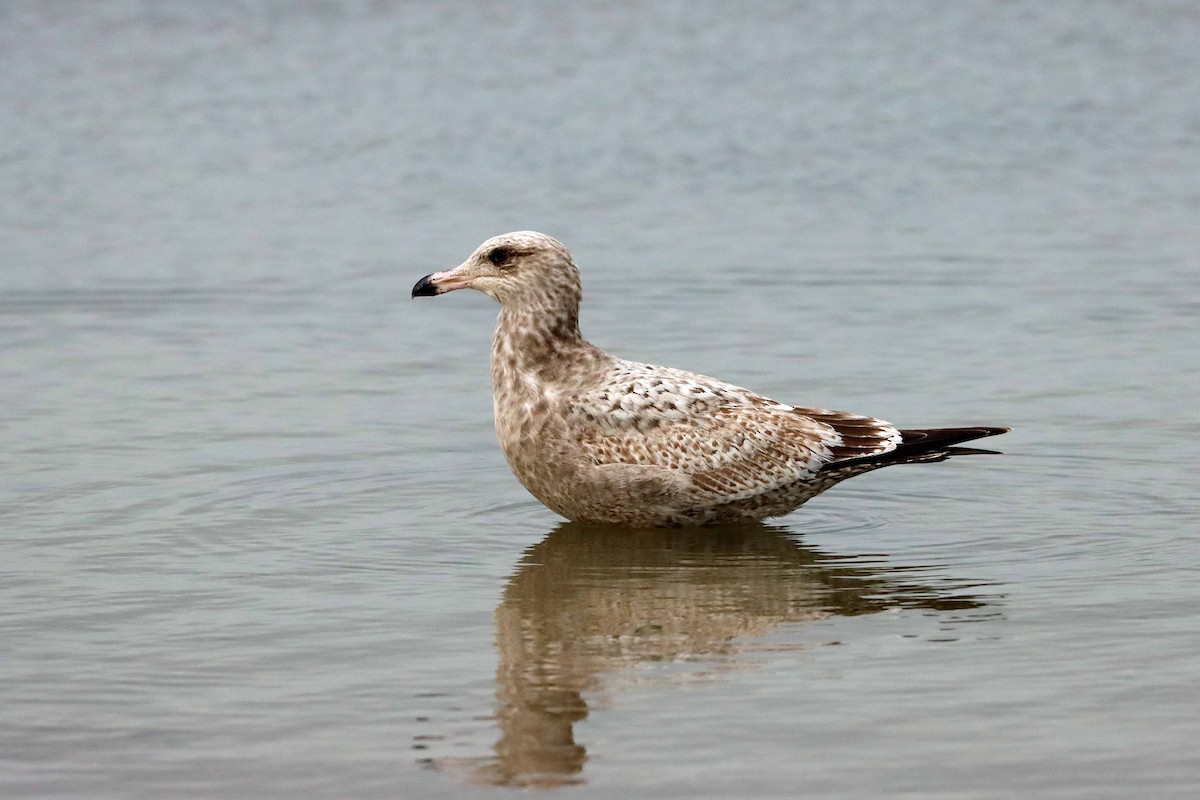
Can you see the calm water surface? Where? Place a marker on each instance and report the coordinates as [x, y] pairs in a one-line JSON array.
[[258, 540]]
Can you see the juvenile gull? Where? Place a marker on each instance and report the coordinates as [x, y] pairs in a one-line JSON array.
[[597, 438]]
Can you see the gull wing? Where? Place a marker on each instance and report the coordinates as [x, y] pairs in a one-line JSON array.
[[731, 442]]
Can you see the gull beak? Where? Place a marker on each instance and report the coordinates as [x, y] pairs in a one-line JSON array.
[[441, 282]]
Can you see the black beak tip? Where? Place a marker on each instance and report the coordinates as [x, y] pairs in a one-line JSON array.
[[424, 287]]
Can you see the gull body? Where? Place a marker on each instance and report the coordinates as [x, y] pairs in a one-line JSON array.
[[597, 438]]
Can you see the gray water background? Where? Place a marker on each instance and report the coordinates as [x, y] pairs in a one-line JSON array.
[[258, 540]]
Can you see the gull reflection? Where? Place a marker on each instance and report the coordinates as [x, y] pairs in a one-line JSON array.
[[589, 600]]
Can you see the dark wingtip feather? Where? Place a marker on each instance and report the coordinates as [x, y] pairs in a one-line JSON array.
[[925, 445], [946, 436]]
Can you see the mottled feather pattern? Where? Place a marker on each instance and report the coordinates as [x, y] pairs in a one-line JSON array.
[[733, 443], [598, 438]]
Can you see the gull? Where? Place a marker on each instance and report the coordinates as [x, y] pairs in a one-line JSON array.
[[597, 438]]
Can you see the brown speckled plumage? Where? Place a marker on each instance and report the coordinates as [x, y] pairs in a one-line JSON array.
[[600, 439]]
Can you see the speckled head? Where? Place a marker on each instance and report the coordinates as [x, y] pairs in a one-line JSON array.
[[523, 269]]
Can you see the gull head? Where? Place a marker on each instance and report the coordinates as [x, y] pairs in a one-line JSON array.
[[517, 269]]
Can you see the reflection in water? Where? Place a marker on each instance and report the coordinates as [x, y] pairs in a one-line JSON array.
[[589, 599]]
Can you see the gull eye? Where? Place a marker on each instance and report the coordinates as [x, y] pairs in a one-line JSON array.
[[499, 256]]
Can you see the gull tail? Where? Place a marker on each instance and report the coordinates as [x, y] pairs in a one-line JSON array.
[[925, 446]]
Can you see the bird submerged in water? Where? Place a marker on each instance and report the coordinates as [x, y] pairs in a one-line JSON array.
[[597, 438]]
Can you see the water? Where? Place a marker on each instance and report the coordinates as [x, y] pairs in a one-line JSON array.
[[258, 538]]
